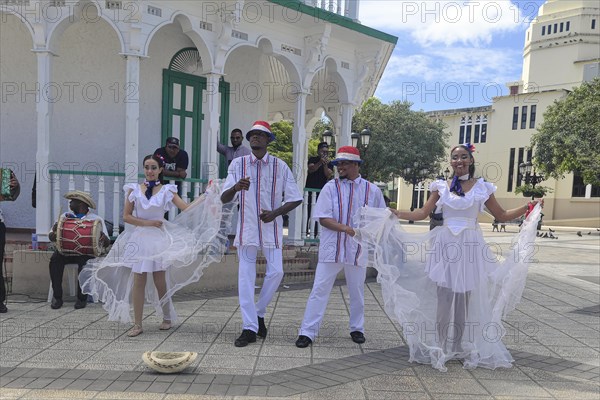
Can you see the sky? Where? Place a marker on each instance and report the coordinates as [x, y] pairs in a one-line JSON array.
[[450, 53]]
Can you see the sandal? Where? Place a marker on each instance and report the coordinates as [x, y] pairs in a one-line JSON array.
[[165, 326], [135, 331]]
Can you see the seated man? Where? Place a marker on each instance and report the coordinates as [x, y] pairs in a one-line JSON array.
[[80, 204]]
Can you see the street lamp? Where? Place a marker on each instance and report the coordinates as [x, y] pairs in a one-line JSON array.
[[533, 179], [415, 175], [355, 137], [363, 138], [328, 137], [444, 175], [529, 178]]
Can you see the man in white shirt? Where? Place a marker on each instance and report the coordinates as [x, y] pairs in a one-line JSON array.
[[80, 204], [336, 207], [266, 190]]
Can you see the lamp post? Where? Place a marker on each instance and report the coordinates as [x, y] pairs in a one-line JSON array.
[[444, 174], [328, 137], [525, 170], [362, 140], [414, 175]]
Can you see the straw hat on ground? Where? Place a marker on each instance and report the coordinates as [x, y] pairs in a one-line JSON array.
[[169, 362], [81, 196]]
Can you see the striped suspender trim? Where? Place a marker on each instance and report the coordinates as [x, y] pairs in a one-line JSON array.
[[349, 211], [273, 188], [258, 221], [359, 249], [242, 203], [340, 217]]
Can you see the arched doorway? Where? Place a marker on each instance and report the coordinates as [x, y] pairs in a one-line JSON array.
[[182, 106]]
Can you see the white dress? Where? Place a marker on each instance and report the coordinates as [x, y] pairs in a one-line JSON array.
[[183, 248], [447, 288]]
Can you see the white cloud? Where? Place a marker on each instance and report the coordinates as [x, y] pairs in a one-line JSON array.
[[439, 74], [445, 21]]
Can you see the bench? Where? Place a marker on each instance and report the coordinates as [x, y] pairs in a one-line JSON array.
[[516, 221]]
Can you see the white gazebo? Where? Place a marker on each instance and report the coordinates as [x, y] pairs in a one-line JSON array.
[[90, 87]]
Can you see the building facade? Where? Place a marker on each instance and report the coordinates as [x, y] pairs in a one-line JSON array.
[[562, 50]]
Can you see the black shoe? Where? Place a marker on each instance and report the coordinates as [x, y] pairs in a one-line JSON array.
[[358, 337], [303, 341], [246, 337], [262, 329], [3, 308], [80, 304], [56, 303]]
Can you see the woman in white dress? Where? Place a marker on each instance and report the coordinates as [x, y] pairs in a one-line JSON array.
[[447, 288], [173, 254]]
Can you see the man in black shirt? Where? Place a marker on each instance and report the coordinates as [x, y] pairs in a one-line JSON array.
[[320, 170], [175, 161]]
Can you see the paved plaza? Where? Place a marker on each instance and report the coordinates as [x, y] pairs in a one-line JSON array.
[[554, 336]]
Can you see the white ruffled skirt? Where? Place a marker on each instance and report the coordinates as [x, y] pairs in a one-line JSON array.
[[182, 248], [448, 290]]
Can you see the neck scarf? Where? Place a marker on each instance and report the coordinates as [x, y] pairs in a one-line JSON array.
[[149, 187], [456, 187]]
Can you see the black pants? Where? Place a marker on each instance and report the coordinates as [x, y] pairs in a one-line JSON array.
[[2, 243], [310, 223], [57, 268]]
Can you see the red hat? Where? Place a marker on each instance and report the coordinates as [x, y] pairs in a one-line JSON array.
[[262, 126], [347, 153]]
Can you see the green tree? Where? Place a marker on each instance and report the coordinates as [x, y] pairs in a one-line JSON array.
[[400, 137], [282, 147], [569, 138]]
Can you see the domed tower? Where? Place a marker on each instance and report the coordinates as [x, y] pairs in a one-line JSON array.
[[562, 46]]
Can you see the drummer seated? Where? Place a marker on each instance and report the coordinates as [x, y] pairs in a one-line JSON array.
[[80, 204]]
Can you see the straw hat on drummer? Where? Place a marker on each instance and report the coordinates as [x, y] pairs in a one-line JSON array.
[[81, 196]]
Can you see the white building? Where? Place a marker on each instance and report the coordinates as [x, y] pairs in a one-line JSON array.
[[88, 88], [562, 50]]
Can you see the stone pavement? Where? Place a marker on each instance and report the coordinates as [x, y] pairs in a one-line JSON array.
[[554, 336]]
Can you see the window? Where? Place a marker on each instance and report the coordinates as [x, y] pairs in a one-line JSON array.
[[515, 118], [579, 187], [593, 24], [524, 117], [473, 129], [519, 162], [556, 28], [483, 129], [511, 170], [532, 118], [568, 26], [549, 29], [468, 135], [562, 26], [543, 30]]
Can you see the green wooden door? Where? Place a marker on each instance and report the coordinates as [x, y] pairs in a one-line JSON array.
[[182, 113]]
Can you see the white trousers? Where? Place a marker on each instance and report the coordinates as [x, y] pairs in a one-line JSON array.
[[319, 296], [247, 280]]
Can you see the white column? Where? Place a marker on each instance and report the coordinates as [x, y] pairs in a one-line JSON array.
[[132, 118], [347, 110], [211, 127], [43, 217], [300, 144], [352, 9], [588, 191]]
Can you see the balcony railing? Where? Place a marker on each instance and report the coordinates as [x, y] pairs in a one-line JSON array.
[[106, 188], [309, 237], [347, 8]]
